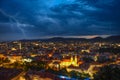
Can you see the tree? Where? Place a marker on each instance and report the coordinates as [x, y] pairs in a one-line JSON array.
[[78, 75], [111, 72]]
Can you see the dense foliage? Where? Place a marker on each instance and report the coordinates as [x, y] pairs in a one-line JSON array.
[[111, 72]]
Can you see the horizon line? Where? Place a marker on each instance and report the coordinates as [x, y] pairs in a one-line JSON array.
[[48, 37]]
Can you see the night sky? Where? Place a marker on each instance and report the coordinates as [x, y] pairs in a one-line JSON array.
[[33, 19]]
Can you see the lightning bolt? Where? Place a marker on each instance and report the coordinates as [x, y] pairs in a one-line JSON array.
[[12, 20]]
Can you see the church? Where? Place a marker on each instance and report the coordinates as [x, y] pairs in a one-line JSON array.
[[68, 62], [64, 63]]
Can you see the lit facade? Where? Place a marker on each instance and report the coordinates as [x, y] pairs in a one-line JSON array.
[[65, 63], [73, 61]]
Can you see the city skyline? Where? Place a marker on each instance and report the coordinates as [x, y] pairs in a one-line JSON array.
[[34, 19]]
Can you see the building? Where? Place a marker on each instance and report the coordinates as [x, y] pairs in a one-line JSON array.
[[68, 62], [59, 64]]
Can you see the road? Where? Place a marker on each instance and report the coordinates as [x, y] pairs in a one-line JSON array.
[[20, 76]]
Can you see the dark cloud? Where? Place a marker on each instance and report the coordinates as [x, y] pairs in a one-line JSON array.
[[96, 12], [39, 18]]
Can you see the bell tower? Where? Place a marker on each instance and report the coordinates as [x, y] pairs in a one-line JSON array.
[[71, 58], [75, 59]]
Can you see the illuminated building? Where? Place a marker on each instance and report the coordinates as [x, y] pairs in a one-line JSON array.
[[20, 46], [65, 63], [2, 56], [88, 51], [15, 58], [13, 49], [27, 60]]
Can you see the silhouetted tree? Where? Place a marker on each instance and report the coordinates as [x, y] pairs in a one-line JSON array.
[[111, 72]]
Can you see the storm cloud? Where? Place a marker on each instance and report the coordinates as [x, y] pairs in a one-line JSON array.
[[39, 18]]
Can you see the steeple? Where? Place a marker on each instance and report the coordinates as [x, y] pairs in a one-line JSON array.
[[75, 59], [71, 58]]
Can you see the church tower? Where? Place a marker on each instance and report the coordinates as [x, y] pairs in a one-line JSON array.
[[71, 58], [75, 59]]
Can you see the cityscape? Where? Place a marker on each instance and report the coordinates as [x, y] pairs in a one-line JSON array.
[[57, 58], [59, 40]]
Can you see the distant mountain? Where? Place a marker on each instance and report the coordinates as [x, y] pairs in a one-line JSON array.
[[64, 39], [111, 39], [96, 39]]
